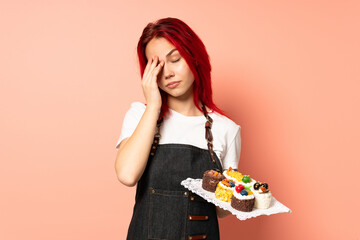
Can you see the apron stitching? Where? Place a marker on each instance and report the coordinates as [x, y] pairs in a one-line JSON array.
[[199, 150], [149, 215], [186, 213], [168, 195]]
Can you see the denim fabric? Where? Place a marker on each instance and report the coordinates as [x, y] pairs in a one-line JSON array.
[[163, 205]]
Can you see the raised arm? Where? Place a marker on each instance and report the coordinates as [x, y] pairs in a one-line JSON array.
[[133, 152]]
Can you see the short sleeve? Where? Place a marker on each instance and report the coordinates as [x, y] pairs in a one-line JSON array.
[[232, 156], [131, 120]]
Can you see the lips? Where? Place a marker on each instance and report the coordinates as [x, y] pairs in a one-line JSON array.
[[173, 84]]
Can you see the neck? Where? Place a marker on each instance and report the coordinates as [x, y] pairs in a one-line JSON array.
[[184, 105]]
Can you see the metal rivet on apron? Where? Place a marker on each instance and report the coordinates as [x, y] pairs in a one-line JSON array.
[[192, 198], [152, 191], [186, 193]]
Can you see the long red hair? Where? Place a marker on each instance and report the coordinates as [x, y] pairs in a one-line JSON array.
[[191, 48]]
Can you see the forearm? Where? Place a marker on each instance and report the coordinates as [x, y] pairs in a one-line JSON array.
[[133, 152], [221, 213]]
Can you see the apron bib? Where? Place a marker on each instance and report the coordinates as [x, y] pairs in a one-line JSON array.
[[164, 209]]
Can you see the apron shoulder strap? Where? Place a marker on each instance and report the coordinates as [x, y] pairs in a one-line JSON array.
[[156, 136], [208, 133]]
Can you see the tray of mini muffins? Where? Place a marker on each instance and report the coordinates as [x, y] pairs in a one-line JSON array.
[[240, 194]]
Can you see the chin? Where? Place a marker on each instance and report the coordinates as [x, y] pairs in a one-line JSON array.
[[171, 92], [175, 94]]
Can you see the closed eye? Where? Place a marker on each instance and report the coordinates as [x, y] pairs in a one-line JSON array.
[[175, 60]]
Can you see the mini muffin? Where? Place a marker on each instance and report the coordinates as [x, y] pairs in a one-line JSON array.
[[210, 180], [233, 175], [262, 195], [243, 199], [247, 181], [224, 190]]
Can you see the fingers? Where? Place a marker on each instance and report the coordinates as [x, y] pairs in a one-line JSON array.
[[153, 68], [157, 69], [151, 65], [149, 82], [147, 68]]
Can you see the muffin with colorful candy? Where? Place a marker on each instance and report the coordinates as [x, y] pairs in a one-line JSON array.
[[243, 199], [262, 195], [224, 190], [233, 175], [247, 181], [210, 180]]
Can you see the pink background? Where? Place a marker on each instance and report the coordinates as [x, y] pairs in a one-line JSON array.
[[286, 71]]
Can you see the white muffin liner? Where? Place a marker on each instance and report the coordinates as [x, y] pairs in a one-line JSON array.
[[195, 186]]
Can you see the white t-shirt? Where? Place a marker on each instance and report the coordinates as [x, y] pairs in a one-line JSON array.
[[181, 129]]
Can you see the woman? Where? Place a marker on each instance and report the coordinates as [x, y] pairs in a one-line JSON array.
[[170, 138]]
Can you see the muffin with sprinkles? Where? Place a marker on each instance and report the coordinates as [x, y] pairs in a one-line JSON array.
[[233, 175], [210, 180], [243, 199], [247, 181], [224, 190]]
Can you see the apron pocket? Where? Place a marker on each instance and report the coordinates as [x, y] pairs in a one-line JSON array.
[[167, 214]]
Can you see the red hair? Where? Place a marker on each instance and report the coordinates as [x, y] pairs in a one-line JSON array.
[[191, 48]]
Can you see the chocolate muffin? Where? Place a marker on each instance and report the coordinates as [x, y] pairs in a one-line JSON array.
[[243, 201], [210, 180]]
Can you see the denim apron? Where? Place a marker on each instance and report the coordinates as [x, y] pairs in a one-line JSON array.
[[164, 209]]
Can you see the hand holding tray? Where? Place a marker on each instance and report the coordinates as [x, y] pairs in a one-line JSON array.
[[195, 185]]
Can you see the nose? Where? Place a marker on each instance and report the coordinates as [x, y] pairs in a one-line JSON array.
[[169, 76], [167, 71]]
